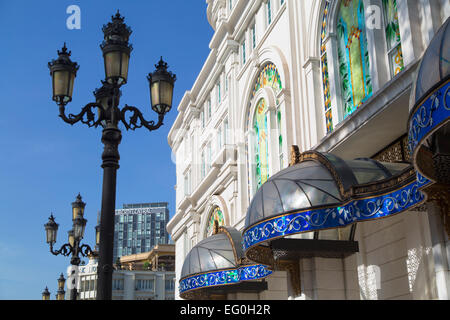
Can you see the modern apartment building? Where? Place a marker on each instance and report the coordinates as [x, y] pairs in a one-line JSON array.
[[139, 227]]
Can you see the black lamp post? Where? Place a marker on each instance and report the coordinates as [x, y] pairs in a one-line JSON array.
[[116, 54], [73, 247]]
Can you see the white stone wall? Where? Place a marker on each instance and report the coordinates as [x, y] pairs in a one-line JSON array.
[[400, 257]]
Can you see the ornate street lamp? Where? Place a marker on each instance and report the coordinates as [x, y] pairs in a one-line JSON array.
[[63, 72], [161, 88], [78, 207], [74, 246], [60, 294], [116, 50], [46, 294], [116, 54]]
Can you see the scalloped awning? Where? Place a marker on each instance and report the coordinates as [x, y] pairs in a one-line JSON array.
[[218, 262], [429, 121], [324, 192]]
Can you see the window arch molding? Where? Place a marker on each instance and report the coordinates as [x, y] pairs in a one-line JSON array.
[[261, 58], [267, 55], [215, 201], [263, 129]]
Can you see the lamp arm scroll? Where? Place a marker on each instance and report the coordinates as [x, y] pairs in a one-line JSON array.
[[65, 250], [137, 116], [86, 250], [86, 111]]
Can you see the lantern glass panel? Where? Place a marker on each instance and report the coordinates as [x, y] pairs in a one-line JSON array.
[[51, 235], [61, 83], [124, 71], [155, 93], [97, 236], [72, 81], [166, 89], [71, 238], [78, 228], [77, 211], [112, 65], [61, 283]]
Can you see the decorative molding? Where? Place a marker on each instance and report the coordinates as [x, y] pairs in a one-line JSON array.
[[295, 155]]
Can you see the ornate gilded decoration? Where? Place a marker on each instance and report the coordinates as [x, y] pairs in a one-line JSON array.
[[293, 270], [295, 155], [395, 152]]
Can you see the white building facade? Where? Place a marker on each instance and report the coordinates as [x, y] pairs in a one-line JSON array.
[[127, 284], [325, 75]]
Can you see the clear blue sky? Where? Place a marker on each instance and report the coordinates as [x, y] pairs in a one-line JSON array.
[[45, 162]]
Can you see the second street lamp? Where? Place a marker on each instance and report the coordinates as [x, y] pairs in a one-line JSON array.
[[116, 54], [46, 294], [73, 248]]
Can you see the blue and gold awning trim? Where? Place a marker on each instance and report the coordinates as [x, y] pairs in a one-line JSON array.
[[429, 122], [425, 119], [224, 277]]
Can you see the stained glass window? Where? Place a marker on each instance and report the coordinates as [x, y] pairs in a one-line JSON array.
[[393, 36], [324, 67], [216, 214], [262, 144], [280, 139], [353, 55], [259, 165], [268, 77]]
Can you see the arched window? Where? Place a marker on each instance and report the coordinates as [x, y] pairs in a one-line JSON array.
[[216, 215], [393, 39], [260, 160], [351, 67], [353, 55]]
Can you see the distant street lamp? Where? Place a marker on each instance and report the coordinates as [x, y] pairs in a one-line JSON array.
[[116, 54], [73, 247], [60, 294], [46, 294]]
